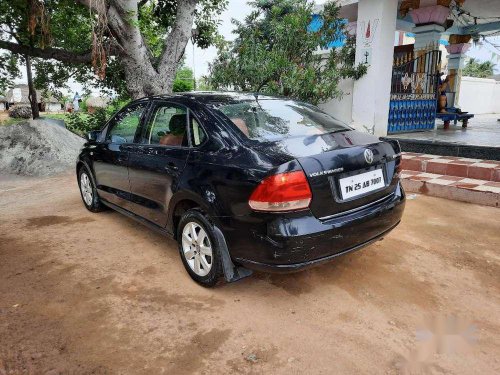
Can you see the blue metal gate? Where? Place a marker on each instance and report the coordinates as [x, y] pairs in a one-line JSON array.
[[414, 93]]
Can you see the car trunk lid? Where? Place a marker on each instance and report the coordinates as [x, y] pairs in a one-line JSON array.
[[358, 158]]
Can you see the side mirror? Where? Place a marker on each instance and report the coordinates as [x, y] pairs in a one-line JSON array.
[[118, 139], [93, 135]]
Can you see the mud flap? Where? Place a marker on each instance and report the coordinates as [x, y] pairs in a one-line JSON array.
[[232, 273]]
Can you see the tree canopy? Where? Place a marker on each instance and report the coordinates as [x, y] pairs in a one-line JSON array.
[[131, 46], [276, 52], [478, 69]]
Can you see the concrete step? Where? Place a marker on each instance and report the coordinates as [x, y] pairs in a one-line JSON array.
[[487, 170], [452, 187]]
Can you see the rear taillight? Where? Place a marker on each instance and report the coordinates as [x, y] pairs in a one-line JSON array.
[[282, 192]]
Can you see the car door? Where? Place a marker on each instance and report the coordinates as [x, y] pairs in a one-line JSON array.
[[111, 155], [156, 163]]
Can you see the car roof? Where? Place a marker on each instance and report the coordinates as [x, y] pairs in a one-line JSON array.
[[217, 97]]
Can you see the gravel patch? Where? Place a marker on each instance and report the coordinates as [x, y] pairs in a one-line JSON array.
[[37, 148]]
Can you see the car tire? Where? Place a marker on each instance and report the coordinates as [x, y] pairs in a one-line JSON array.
[[88, 191], [199, 249]]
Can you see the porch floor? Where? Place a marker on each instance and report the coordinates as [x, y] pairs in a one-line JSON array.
[[482, 130]]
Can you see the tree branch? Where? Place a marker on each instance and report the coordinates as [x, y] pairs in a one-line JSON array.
[[176, 41], [86, 3], [48, 53]]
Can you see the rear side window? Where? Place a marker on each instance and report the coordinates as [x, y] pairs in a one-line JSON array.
[[198, 135], [125, 124], [168, 126], [274, 119]]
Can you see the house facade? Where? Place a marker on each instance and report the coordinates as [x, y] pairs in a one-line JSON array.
[[400, 87], [19, 95]]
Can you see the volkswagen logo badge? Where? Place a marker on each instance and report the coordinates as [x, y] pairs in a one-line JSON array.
[[369, 156]]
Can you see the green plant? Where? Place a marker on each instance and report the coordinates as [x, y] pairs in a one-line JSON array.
[[184, 80], [478, 69], [276, 52], [83, 104], [11, 121], [82, 123], [115, 105]]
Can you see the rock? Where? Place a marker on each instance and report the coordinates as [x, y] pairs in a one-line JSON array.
[[252, 358], [36, 355], [20, 111]]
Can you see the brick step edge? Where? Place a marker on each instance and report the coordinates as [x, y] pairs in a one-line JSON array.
[[488, 170], [465, 192]]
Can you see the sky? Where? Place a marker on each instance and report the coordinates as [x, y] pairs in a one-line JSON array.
[[238, 9], [484, 52]]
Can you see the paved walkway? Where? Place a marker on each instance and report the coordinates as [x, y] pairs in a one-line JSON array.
[[467, 180], [483, 130]]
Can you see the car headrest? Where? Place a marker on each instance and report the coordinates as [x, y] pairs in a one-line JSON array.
[[177, 124]]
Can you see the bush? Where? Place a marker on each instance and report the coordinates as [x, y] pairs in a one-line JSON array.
[[20, 111], [82, 123], [115, 105], [182, 86]]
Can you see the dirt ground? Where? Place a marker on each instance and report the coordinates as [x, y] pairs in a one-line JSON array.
[[84, 293]]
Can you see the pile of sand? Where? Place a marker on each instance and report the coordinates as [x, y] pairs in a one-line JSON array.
[[37, 148]]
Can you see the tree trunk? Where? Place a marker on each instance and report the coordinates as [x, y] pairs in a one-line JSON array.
[[143, 75], [32, 92]]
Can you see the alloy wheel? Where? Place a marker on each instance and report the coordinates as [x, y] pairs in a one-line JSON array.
[[86, 188], [197, 248]]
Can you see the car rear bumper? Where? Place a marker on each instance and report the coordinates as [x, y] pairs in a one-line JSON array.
[[286, 268], [291, 243]]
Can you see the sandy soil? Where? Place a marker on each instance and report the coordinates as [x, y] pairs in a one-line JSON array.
[[38, 148], [85, 293]]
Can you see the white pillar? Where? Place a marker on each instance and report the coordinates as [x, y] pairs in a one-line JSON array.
[[456, 63], [427, 35], [376, 27]]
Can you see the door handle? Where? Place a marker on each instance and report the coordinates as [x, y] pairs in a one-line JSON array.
[[171, 167]]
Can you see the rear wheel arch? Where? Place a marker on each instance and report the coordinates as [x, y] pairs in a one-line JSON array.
[[185, 200], [179, 209]]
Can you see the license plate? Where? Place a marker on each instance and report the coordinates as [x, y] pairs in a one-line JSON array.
[[360, 184]]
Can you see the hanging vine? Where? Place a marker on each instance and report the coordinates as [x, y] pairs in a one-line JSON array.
[[99, 31], [39, 17]]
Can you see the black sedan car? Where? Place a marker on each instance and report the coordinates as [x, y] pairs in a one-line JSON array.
[[243, 181]]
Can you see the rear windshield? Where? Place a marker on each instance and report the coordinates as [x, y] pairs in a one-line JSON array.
[[273, 119]]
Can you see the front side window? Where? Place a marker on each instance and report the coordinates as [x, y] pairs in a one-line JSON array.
[[274, 119], [126, 124], [168, 126]]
